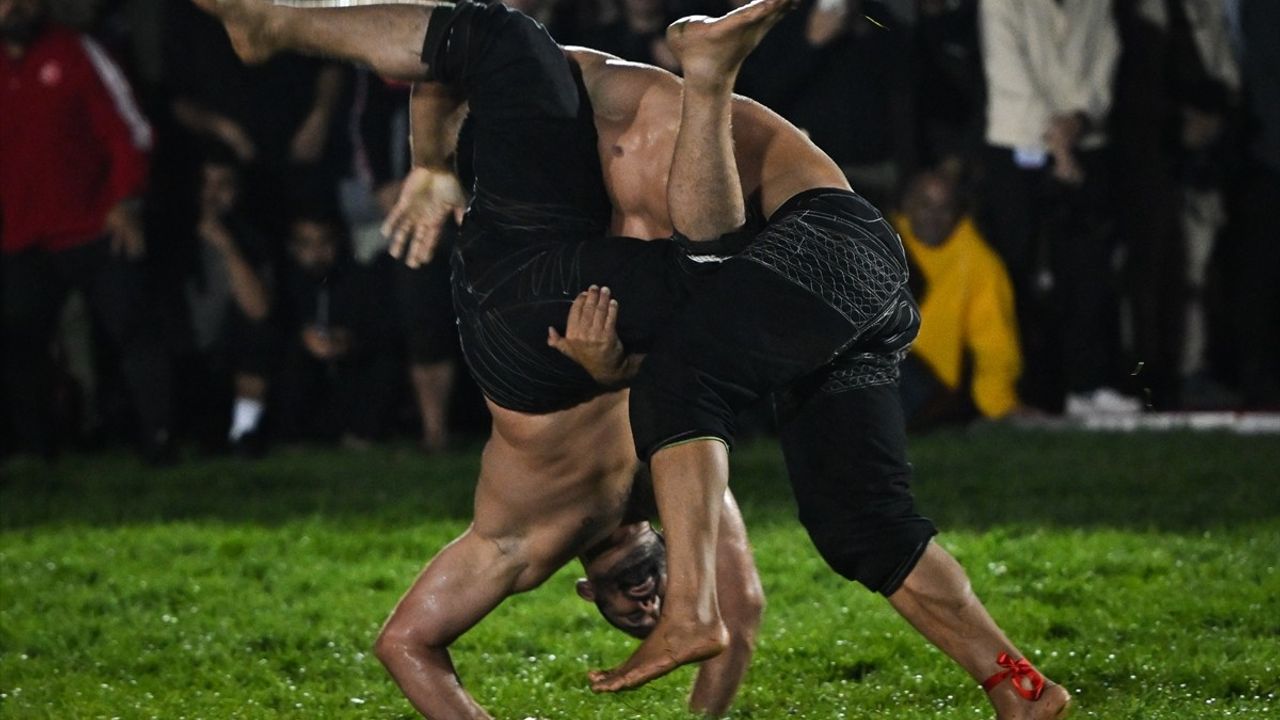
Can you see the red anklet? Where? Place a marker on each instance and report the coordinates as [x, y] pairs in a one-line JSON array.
[[1017, 671]]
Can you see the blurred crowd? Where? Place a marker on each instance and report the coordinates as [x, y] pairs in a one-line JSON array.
[[191, 254]]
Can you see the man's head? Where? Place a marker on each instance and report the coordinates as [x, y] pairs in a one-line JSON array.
[[315, 240], [931, 208], [20, 20], [219, 181], [627, 577]]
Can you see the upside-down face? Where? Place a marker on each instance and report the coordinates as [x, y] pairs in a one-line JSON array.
[[627, 580]]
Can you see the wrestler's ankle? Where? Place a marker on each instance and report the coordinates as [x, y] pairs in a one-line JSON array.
[[709, 84], [1051, 705], [706, 630]]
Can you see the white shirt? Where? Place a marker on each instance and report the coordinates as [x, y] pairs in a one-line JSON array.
[[1045, 58]]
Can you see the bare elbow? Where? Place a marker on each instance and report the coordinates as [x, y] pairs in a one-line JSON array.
[[399, 641], [392, 644]]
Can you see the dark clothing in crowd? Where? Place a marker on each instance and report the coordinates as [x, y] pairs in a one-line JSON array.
[[1145, 145], [36, 286], [1040, 225], [269, 102], [1260, 21], [319, 398], [1257, 295], [948, 90], [224, 342], [852, 95]]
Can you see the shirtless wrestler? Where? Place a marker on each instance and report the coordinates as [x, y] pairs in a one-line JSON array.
[[556, 477]]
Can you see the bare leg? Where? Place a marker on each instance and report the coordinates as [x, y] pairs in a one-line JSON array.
[[689, 480], [689, 483], [937, 600], [386, 38], [431, 384], [704, 192]]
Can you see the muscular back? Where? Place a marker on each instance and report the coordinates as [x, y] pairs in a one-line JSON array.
[[637, 112]]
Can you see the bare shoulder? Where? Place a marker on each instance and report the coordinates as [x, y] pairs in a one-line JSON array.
[[618, 87]]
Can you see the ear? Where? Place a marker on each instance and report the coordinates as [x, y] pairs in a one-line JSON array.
[[586, 590]]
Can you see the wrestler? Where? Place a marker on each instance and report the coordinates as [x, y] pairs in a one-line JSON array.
[[934, 595], [555, 484]]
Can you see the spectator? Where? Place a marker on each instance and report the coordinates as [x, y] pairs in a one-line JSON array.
[[74, 165], [1144, 179], [1049, 67], [279, 118], [948, 89], [227, 294], [838, 69], [966, 307], [1257, 296], [1173, 100], [1208, 93], [338, 371]]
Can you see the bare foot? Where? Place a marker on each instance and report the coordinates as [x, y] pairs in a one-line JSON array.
[[247, 26], [1053, 703], [666, 649], [712, 49]]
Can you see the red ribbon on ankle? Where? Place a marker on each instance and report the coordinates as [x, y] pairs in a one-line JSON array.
[[1017, 671]]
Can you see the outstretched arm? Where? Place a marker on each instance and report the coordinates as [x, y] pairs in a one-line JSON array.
[[458, 588], [741, 607]]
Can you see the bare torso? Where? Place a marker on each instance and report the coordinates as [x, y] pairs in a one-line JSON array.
[[637, 110], [553, 485]]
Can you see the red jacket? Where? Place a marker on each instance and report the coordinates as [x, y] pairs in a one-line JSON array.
[[73, 142]]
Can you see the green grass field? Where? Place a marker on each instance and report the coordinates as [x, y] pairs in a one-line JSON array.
[[1139, 570]]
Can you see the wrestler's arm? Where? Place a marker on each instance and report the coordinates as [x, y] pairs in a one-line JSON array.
[[458, 588], [431, 193], [741, 607]]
